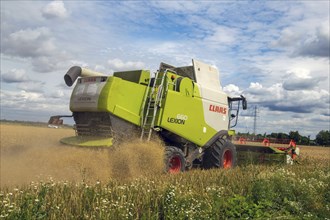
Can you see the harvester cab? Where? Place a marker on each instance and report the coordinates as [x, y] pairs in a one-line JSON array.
[[185, 106]]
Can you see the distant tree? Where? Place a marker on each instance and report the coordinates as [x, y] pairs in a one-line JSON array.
[[304, 140], [294, 135], [323, 138], [282, 136], [273, 135]]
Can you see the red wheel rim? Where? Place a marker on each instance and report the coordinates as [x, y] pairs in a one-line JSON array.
[[175, 165], [227, 159]]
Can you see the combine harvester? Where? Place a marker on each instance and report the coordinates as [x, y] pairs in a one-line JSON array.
[[184, 106]]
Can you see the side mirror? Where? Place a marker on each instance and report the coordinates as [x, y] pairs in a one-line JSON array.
[[244, 102]]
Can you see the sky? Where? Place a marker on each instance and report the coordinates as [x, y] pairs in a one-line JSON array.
[[275, 53]]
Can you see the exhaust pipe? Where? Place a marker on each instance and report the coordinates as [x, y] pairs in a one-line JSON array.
[[76, 71]]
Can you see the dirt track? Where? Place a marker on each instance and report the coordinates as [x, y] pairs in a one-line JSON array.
[[34, 153]]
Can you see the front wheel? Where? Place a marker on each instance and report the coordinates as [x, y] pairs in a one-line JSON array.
[[221, 154], [174, 160]]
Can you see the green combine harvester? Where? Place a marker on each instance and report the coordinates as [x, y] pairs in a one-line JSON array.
[[184, 106]]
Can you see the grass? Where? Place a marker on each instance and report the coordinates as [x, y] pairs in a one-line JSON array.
[[301, 191]]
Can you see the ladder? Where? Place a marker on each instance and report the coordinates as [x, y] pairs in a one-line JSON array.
[[152, 101]]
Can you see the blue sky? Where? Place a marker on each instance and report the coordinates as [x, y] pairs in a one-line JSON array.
[[276, 53]]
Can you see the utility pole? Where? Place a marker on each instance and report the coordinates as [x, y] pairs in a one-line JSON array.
[[255, 120], [254, 114]]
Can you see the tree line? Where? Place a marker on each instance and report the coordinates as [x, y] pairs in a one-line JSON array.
[[321, 139]]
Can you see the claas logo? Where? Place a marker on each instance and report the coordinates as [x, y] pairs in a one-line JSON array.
[[219, 109]]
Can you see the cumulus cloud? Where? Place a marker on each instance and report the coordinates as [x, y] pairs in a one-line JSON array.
[[300, 102], [311, 42], [257, 93], [20, 99], [233, 36], [119, 65], [232, 90], [177, 6], [300, 73], [38, 45], [173, 51], [57, 94], [32, 86], [44, 64], [316, 45], [32, 102], [295, 83], [223, 35], [23, 81], [277, 98], [300, 79], [255, 88], [55, 9], [15, 76], [326, 113], [288, 37], [29, 43]]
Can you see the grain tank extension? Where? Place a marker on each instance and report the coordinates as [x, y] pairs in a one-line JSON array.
[[184, 106]]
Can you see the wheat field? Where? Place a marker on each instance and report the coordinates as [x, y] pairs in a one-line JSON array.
[[31, 153], [43, 179]]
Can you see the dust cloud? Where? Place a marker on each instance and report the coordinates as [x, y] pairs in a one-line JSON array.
[[35, 154]]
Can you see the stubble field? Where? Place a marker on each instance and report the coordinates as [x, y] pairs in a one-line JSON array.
[[41, 178]]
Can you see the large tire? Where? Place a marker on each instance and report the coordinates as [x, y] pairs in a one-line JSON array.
[[221, 154], [174, 160]]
